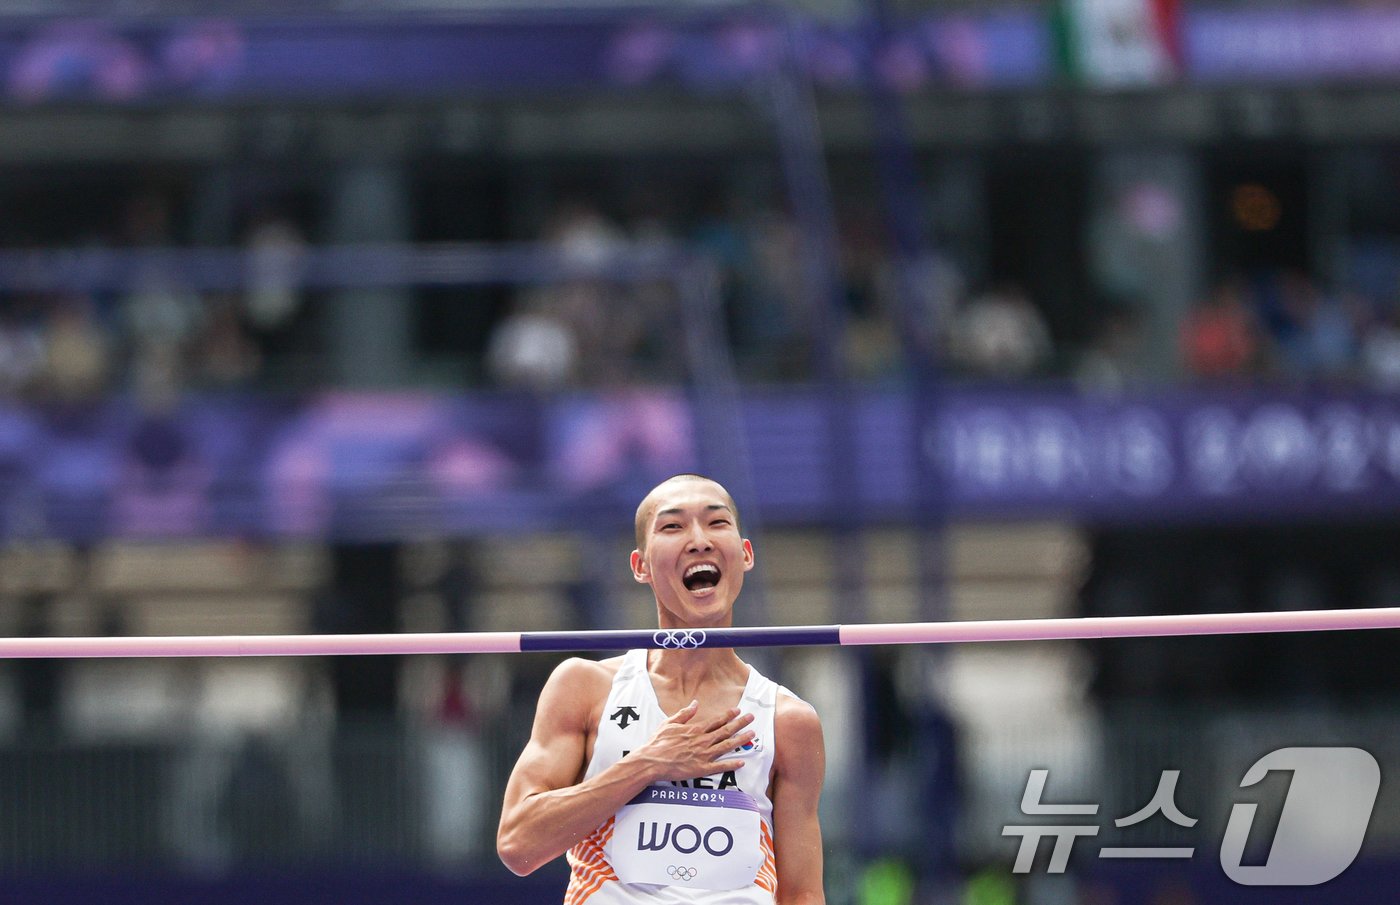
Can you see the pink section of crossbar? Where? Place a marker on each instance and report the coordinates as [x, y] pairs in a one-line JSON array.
[[1120, 626], [263, 645]]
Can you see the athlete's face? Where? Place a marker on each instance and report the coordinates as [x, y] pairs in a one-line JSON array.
[[694, 558]]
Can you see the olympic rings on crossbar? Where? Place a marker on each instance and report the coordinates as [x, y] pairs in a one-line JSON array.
[[679, 638]]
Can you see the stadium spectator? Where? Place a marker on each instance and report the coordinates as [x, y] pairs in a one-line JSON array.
[[645, 326], [453, 761], [22, 352], [533, 347], [1000, 333], [1220, 336], [274, 302], [756, 248], [78, 354], [779, 312], [1318, 335], [874, 348], [585, 238], [1380, 350], [161, 315], [582, 234], [932, 286], [1112, 361], [224, 354]]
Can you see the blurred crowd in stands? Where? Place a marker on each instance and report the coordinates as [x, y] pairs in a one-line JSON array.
[[157, 336], [1289, 327]]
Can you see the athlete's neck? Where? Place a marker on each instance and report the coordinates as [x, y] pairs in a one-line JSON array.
[[687, 672]]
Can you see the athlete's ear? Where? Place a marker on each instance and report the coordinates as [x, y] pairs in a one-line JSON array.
[[748, 555], [639, 568]]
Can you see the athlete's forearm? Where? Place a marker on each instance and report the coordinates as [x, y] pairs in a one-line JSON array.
[[544, 825]]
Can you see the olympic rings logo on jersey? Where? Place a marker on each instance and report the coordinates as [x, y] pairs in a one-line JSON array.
[[682, 873], [679, 639]]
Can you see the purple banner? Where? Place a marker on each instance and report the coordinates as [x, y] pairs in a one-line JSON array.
[[355, 58], [1293, 44], [1200, 456], [290, 885], [365, 466]]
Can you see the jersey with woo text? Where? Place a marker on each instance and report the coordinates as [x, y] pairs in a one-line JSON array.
[[708, 840]]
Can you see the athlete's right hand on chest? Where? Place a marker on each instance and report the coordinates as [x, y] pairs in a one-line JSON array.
[[685, 748]]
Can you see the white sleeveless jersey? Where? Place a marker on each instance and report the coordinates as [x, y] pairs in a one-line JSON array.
[[708, 841]]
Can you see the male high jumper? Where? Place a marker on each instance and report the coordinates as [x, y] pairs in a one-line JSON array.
[[678, 775]]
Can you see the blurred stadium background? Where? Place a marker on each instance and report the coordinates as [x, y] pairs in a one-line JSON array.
[[347, 316]]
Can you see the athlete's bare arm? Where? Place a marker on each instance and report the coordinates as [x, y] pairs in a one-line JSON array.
[[798, 768], [548, 808]]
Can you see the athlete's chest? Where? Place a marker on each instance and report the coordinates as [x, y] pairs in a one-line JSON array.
[[634, 711], [639, 702], [636, 708]]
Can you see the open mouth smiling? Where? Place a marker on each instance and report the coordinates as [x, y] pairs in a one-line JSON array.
[[701, 577]]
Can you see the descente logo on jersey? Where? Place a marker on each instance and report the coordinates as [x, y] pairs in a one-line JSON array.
[[685, 838], [624, 715]]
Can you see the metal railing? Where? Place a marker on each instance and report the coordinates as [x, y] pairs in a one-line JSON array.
[[428, 796], [366, 794]]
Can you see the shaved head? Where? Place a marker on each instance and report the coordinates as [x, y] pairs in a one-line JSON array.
[[647, 509]]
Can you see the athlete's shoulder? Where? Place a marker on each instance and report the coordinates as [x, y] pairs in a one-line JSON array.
[[800, 749], [794, 715], [582, 674], [579, 683]]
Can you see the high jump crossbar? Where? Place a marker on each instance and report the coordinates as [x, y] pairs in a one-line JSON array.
[[684, 639]]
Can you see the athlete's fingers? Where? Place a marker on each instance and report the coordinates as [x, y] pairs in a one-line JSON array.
[[685, 713], [720, 723], [733, 742], [733, 721], [734, 725]]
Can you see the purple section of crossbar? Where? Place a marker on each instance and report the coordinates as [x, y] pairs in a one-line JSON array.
[[1120, 626], [681, 639], [699, 798]]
